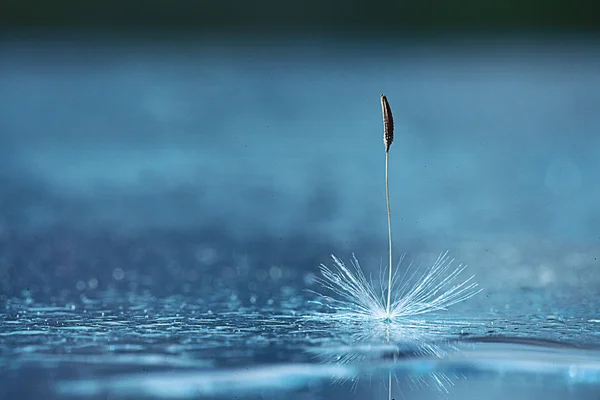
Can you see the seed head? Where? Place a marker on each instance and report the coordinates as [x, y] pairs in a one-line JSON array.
[[388, 123]]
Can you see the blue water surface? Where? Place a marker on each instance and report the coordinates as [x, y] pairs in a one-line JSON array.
[[164, 208]]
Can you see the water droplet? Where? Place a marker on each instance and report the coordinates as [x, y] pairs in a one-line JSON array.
[[118, 274]]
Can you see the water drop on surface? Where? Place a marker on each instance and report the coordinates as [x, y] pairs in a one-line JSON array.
[[118, 274], [275, 273]]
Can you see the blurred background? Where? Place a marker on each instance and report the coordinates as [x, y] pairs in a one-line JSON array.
[[193, 147]]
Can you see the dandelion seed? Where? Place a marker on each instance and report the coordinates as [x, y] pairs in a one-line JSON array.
[[413, 294], [388, 138]]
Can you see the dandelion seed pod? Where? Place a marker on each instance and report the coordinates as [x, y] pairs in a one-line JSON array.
[[388, 123]]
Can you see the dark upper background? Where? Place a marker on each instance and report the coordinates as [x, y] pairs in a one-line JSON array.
[[307, 17], [187, 146]]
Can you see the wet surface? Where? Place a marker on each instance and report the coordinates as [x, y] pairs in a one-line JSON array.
[[164, 209], [144, 347]]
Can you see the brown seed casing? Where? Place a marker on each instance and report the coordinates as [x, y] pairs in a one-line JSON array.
[[388, 123]]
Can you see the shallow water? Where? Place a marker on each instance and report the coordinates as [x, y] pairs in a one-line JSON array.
[[182, 348], [164, 209]]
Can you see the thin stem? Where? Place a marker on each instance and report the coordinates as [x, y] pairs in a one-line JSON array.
[[389, 221]]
